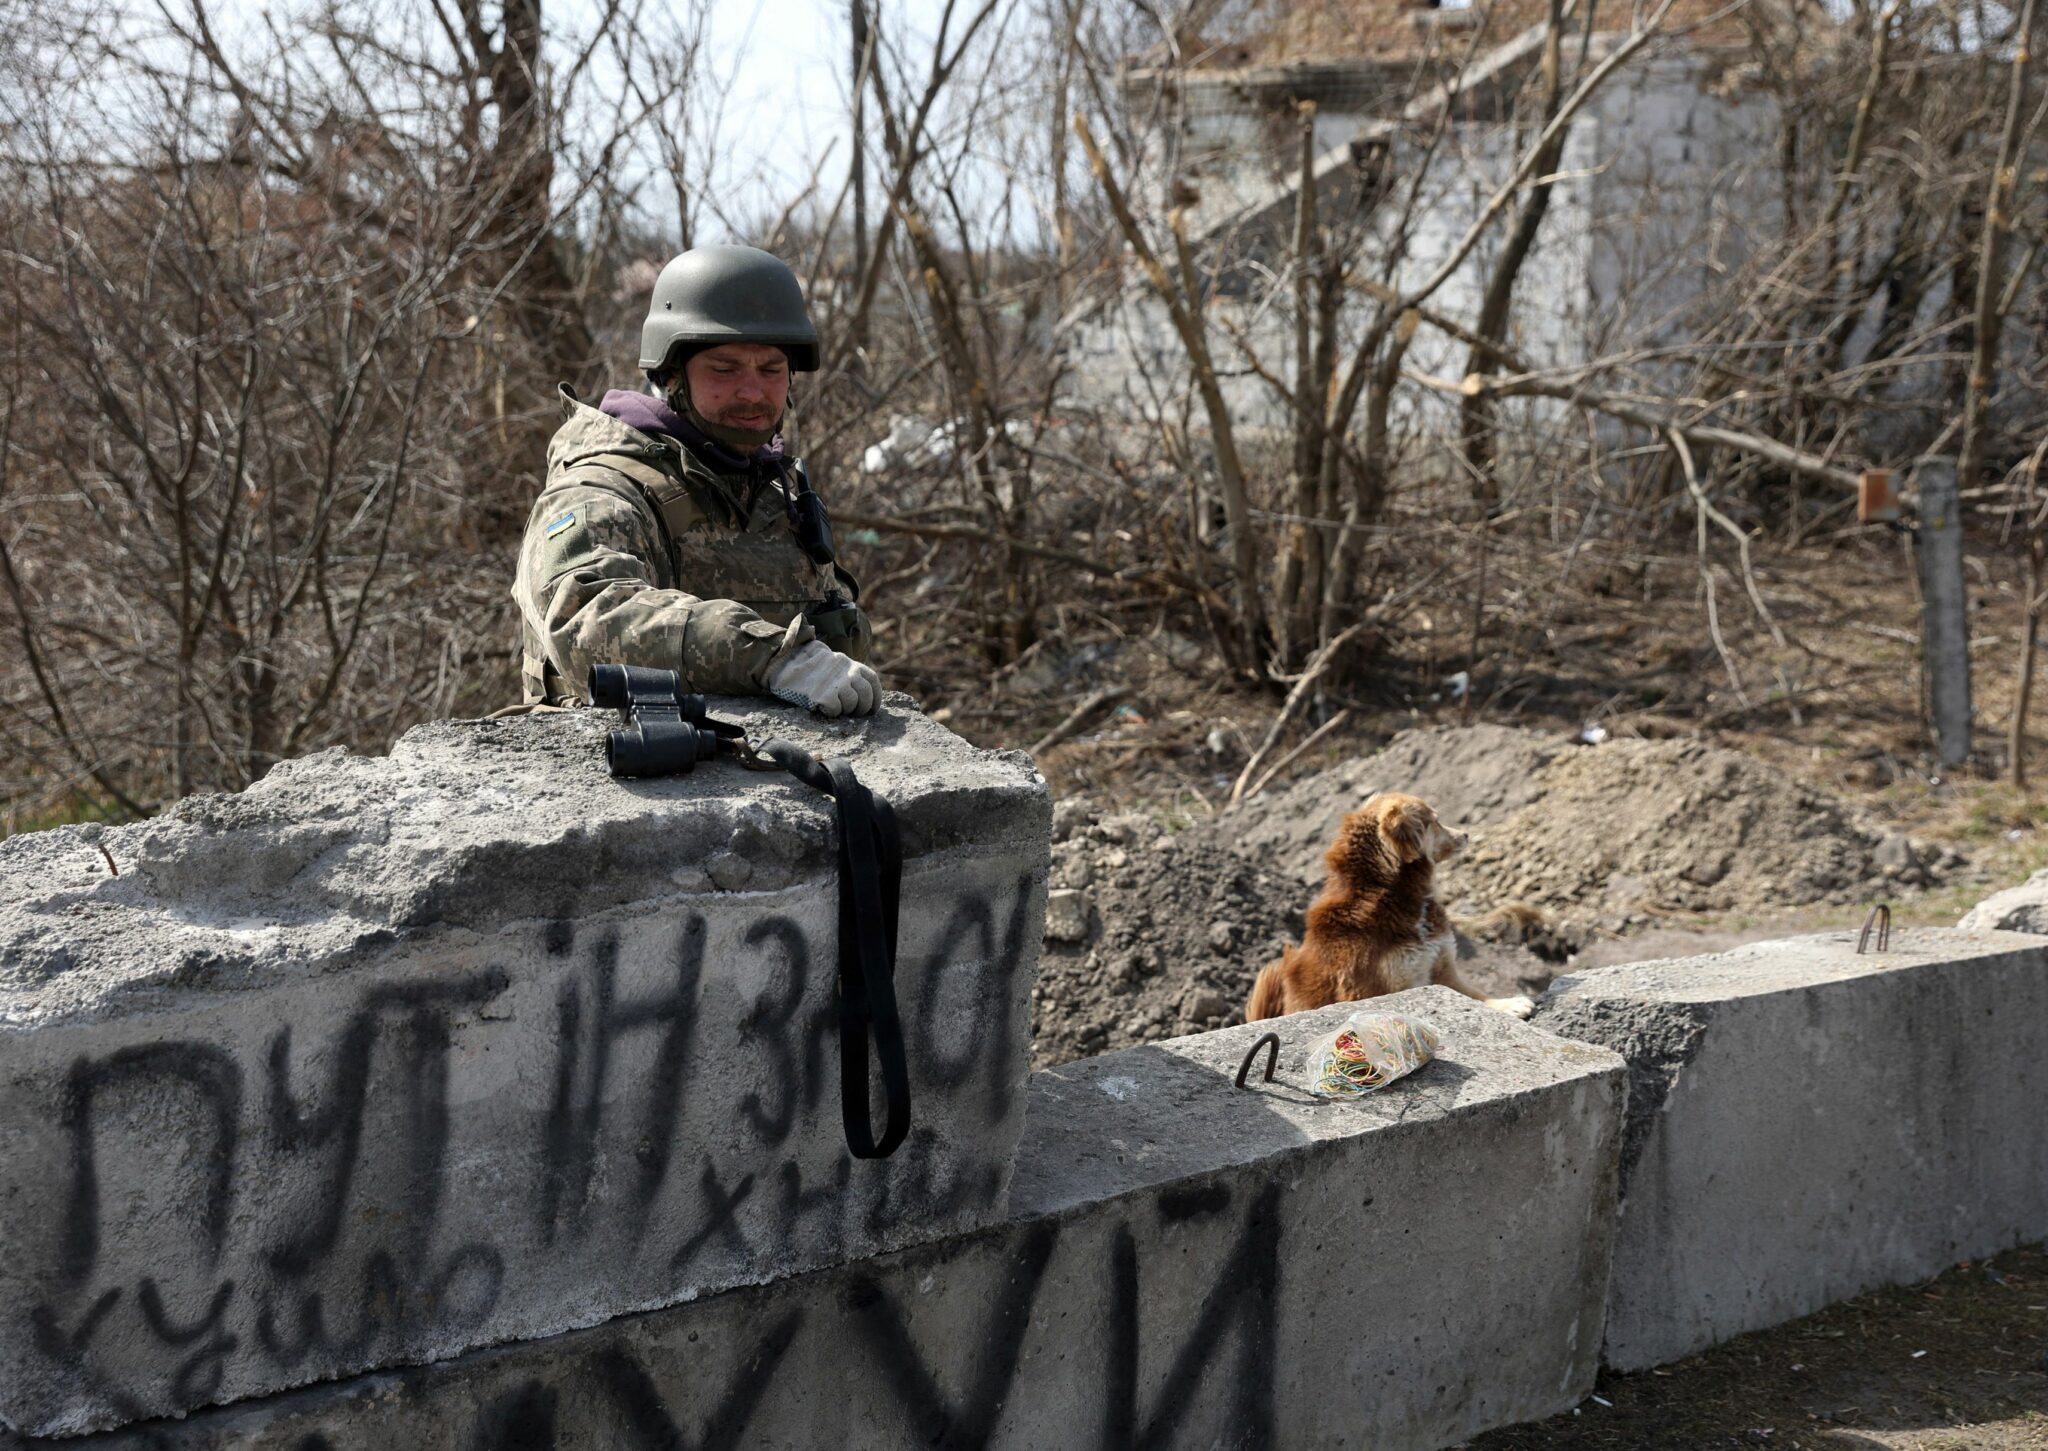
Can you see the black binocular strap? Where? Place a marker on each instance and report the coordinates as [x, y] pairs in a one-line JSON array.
[[667, 732], [870, 892]]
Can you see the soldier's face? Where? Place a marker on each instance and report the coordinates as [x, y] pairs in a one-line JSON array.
[[739, 385]]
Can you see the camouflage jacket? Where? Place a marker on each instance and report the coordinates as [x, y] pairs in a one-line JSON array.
[[639, 551]]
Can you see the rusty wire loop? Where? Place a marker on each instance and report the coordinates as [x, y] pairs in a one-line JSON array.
[[1881, 918], [1270, 1041]]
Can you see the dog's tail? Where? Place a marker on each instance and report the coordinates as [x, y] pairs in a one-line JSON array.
[[1269, 993]]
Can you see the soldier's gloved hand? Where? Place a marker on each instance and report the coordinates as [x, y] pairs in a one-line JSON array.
[[819, 678]]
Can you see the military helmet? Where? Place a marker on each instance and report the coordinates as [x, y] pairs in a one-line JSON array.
[[712, 295]]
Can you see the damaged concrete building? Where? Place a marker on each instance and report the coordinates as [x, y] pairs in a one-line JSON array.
[[1418, 116]]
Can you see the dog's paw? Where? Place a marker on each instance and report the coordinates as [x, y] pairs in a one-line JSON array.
[[1520, 1006]]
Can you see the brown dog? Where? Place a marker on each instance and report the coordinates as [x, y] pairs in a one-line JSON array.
[[1377, 927]]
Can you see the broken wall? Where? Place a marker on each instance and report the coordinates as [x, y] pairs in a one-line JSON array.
[[1659, 195]]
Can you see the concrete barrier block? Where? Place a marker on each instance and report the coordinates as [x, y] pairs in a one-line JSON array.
[[2016, 909], [1806, 1124], [386, 1058], [1185, 1265]]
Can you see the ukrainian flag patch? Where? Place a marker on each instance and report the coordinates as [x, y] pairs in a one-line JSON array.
[[562, 524]]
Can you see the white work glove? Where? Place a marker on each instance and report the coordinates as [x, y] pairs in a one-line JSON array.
[[817, 677]]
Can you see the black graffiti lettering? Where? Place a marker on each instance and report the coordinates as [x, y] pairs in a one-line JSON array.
[[787, 1065], [951, 1064], [423, 1041], [719, 1210], [639, 1401], [1244, 1294], [1179, 1204], [561, 1159], [459, 1295], [574, 1122], [992, 1362], [198, 1377], [199, 1066], [311, 1334], [796, 1203], [159, 1320], [296, 1132], [523, 1419], [925, 1182], [466, 1290], [69, 1346], [355, 1124], [67, 1349], [380, 1306]]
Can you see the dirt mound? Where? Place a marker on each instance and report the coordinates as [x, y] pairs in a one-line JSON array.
[[1150, 936], [1472, 776], [1604, 832], [1671, 825]]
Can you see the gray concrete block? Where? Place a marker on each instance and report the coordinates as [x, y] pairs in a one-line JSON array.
[[2016, 909], [386, 1058], [1806, 1124], [1185, 1265]]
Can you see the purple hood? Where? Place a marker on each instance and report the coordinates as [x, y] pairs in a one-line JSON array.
[[653, 415]]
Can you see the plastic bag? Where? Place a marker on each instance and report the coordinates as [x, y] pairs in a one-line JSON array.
[[1370, 1051]]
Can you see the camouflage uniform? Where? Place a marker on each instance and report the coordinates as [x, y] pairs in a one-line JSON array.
[[639, 551]]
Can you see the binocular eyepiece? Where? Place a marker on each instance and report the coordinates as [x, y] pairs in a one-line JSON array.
[[665, 733]]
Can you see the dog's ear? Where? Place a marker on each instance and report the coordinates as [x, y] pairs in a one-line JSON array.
[[1402, 829]]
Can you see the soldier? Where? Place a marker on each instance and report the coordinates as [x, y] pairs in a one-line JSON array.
[[674, 531]]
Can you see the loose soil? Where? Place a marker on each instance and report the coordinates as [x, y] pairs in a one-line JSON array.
[[1630, 849], [1660, 825], [1166, 937], [1959, 1363]]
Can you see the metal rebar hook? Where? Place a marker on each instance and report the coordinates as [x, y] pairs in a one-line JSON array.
[[1269, 1041], [1881, 918]]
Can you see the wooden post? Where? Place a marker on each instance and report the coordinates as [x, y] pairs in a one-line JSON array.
[[1944, 611]]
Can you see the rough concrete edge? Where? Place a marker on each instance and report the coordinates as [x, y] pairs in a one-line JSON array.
[[1681, 1029], [2022, 907], [1219, 1053], [1655, 1040], [995, 813]]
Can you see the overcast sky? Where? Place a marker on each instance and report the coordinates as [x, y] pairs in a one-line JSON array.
[[788, 62]]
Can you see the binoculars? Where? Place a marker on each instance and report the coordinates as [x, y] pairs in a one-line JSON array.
[[665, 734]]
